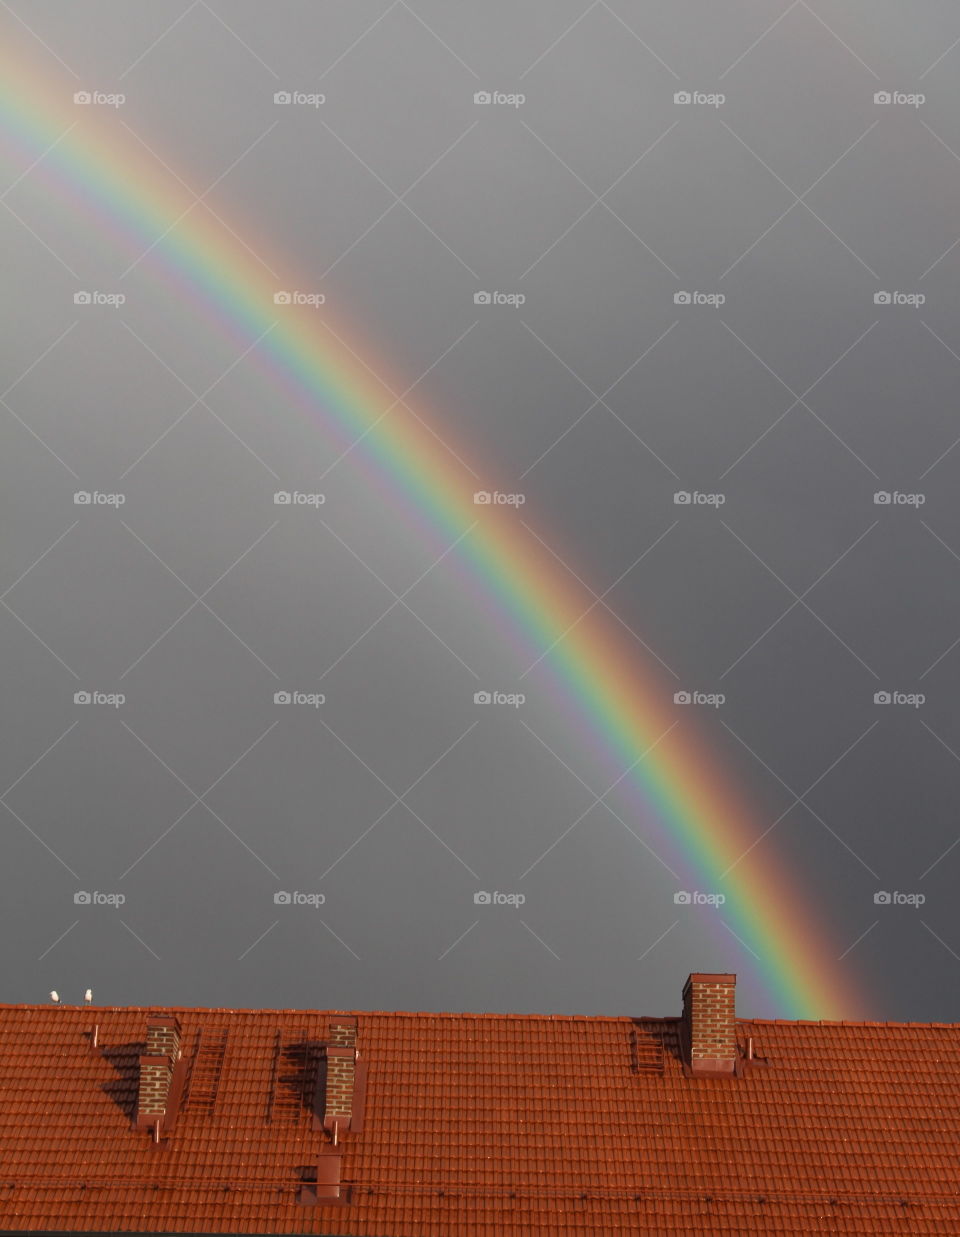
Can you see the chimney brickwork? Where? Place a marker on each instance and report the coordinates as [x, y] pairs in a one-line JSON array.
[[157, 1067], [341, 1072], [156, 1074], [709, 1024], [163, 1038]]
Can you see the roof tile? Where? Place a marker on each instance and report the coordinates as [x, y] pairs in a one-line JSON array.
[[483, 1125]]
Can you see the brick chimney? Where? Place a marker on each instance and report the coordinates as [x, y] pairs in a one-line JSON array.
[[161, 1075], [341, 1074], [709, 1029]]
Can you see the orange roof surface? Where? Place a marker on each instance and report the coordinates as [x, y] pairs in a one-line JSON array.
[[477, 1125]]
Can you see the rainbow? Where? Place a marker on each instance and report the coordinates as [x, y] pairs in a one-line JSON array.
[[100, 170]]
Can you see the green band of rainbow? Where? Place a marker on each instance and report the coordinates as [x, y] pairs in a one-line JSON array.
[[98, 166]]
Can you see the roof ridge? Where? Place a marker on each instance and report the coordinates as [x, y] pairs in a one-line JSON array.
[[61, 1010]]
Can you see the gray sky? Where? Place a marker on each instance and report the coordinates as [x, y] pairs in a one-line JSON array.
[[784, 187]]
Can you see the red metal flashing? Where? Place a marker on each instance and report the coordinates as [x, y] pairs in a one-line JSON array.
[[326, 1189], [359, 1096]]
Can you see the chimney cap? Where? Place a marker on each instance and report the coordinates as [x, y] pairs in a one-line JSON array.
[[705, 977]]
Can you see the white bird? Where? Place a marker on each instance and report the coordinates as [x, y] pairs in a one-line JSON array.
[[88, 996], [55, 997]]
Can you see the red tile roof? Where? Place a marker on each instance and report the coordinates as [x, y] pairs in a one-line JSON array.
[[478, 1125]]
